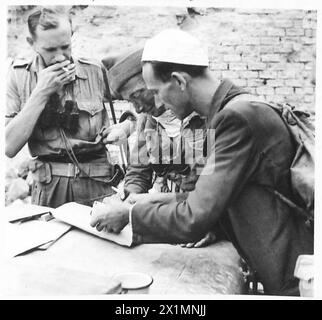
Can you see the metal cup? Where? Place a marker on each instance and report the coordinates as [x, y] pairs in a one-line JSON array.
[[135, 282]]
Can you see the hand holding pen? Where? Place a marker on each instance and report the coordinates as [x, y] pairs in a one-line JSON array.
[[123, 194]]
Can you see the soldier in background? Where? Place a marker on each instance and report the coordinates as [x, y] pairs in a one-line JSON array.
[[161, 139]]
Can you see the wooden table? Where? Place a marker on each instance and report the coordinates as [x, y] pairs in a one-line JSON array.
[[92, 263]]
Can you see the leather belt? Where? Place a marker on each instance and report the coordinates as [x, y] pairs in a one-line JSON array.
[[87, 169]]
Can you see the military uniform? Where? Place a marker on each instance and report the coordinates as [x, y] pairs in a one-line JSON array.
[[158, 150], [170, 156], [57, 179]]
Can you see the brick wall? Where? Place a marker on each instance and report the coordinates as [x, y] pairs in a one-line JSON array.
[[270, 53]]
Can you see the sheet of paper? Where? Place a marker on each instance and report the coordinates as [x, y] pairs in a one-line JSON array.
[[32, 234], [22, 211], [46, 245], [80, 216]]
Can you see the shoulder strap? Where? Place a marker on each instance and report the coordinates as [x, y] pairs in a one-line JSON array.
[[21, 75], [108, 94], [109, 97], [292, 119]]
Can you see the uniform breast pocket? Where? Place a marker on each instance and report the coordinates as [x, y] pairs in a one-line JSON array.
[[51, 134], [91, 107], [92, 115], [48, 134]]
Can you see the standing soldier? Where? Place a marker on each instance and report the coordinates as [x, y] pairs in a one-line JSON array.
[[55, 103]]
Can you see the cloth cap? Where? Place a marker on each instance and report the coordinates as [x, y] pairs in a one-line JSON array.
[[175, 46], [125, 72]]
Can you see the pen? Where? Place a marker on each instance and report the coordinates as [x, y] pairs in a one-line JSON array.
[[120, 192]]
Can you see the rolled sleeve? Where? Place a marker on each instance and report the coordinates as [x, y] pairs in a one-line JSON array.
[[138, 179]]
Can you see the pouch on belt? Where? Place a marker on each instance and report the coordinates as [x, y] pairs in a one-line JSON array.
[[40, 171]]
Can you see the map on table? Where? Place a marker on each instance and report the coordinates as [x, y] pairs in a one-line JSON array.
[[79, 216], [33, 234]]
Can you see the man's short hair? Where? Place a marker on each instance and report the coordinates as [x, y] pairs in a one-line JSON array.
[[163, 70], [47, 18]]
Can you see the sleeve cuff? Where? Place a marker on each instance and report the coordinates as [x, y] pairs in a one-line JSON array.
[[130, 216], [133, 188], [136, 238]]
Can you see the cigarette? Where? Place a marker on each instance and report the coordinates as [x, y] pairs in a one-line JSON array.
[[65, 69]]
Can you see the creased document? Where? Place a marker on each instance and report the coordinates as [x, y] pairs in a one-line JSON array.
[[23, 211], [29, 235], [79, 216]]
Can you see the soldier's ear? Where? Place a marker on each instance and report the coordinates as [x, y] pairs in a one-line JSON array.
[[30, 41], [179, 79]]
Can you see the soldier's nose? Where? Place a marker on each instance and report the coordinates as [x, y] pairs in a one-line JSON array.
[[59, 58]]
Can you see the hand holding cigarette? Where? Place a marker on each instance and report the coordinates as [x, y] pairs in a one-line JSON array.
[[70, 70]]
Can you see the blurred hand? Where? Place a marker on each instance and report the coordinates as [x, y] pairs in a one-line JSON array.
[[188, 182], [135, 197], [54, 77], [115, 134], [207, 240], [185, 182], [71, 70], [112, 215], [130, 198]]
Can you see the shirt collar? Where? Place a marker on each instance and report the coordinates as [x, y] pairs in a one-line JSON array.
[[225, 92], [79, 71], [187, 121]]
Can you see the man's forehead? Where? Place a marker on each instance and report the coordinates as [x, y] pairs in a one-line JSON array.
[[152, 82], [62, 30]]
